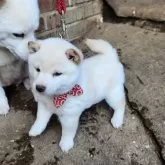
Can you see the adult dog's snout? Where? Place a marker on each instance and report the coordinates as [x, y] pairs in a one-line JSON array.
[[40, 88]]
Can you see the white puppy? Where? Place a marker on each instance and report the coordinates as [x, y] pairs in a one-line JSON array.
[[18, 21], [65, 84]]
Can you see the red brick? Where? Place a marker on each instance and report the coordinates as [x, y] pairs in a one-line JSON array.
[[47, 5], [42, 25], [53, 21], [79, 17]]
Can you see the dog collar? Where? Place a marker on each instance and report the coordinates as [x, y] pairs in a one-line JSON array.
[[60, 99]]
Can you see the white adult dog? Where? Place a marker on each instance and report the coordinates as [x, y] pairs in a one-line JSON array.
[[65, 84], [18, 21]]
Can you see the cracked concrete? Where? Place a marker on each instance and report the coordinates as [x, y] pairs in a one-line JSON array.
[[140, 141]]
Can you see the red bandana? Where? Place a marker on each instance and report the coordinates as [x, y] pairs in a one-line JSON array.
[[60, 99]]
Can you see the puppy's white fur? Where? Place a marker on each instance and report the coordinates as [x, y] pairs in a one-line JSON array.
[[16, 17], [100, 77]]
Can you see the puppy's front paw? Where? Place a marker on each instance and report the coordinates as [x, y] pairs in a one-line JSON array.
[[66, 145], [116, 121], [34, 131], [4, 107]]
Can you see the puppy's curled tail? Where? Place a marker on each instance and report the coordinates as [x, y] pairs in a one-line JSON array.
[[101, 47]]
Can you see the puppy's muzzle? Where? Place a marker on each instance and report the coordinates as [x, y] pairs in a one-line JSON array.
[[40, 88]]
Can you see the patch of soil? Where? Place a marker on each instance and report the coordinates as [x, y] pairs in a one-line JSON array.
[[21, 153]]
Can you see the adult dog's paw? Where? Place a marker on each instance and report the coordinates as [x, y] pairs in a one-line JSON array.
[[4, 107], [27, 84]]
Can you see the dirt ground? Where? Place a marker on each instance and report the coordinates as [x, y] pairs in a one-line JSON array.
[[140, 141]]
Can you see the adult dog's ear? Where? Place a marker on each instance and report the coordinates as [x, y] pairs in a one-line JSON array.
[[2, 2], [73, 55], [33, 46]]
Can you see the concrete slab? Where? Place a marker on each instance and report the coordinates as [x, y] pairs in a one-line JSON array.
[[142, 137], [142, 53], [148, 9]]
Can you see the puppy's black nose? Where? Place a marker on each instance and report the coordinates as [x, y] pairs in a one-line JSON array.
[[40, 88]]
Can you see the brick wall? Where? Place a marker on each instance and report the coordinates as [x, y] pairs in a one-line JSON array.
[[81, 15]]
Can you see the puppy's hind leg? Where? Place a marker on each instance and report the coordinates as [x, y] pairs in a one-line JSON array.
[[4, 106], [43, 117], [116, 99]]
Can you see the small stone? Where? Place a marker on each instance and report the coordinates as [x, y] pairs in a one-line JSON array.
[[134, 142], [155, 30], [134, 12], [147, 146], [12, 141]]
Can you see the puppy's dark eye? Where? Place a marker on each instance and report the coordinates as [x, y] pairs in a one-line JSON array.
[[38, 69], [21, 35], [57, 74]]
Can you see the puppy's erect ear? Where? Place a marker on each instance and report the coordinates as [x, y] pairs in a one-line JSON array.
[[73, 56], [2, 2], [33, 46]]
